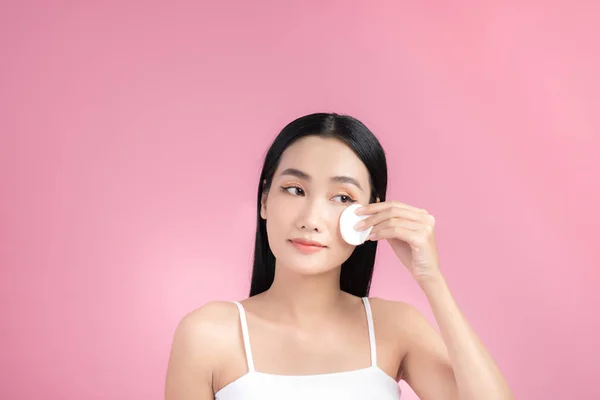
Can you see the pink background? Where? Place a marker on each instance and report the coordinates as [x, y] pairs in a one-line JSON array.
[[130, 148]]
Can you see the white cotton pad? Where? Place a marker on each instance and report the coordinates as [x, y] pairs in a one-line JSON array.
[[347, 221]]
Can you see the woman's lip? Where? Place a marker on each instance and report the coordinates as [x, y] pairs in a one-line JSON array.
[[306, 248], [306, 244]]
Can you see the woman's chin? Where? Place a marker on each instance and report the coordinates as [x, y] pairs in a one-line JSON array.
[[305, 267]]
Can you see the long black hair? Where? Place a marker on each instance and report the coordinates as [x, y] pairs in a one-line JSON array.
[[357, 271]]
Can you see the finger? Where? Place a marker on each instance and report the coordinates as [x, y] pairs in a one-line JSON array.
[[396, 232], [393, 222], [373, 208], [392, 212]]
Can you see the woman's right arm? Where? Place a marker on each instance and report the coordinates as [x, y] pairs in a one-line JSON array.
[[189, 372]]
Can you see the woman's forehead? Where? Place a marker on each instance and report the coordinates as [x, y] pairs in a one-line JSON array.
[[322, 158]]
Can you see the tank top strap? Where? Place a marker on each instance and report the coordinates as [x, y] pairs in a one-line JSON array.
[[246, 337], [372, 343]]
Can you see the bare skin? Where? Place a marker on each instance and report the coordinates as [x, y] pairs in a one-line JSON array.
[[304, 324], [212, 337]]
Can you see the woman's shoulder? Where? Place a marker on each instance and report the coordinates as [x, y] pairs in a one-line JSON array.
[[210, 319], [393, 306], [399, 316], [205, 329], [201, 339]]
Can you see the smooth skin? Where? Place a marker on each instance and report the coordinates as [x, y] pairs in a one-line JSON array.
[[304, 324]]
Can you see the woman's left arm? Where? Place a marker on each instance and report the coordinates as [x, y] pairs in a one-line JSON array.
[[463, 366], [475, 373]]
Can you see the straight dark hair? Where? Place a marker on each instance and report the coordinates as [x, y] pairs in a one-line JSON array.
[[357, 271]]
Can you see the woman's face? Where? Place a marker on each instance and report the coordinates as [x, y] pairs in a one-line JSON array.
[[317, 178]]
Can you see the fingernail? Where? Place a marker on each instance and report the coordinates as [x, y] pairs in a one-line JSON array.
[[359, 225]]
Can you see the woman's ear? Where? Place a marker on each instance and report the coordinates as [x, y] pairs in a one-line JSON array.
[[263, 202]]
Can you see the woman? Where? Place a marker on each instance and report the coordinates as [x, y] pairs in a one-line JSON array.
[[309, 329]]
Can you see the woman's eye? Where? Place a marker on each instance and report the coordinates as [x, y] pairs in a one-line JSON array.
[[298, 191], [295, 190], [346, 198]]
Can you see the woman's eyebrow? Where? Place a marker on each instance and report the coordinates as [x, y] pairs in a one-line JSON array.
[[303, 175]]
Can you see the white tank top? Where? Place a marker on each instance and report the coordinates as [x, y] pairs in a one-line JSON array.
[[365, 383]]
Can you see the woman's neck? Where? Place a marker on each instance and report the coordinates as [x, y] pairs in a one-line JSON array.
[[304, 300]]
